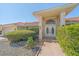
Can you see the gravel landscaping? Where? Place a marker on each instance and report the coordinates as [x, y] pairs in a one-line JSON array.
[[7, 50]]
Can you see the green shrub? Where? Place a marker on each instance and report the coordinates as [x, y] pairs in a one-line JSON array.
[[30, 42], [32, 28], [36, 29], [17, 35], [68, 38]]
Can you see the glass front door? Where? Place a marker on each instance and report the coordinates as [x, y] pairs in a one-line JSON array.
[[50, 30]]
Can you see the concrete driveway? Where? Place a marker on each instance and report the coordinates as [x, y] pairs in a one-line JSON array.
[[2, 38]]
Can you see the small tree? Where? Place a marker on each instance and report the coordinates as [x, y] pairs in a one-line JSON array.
[[30, 42]]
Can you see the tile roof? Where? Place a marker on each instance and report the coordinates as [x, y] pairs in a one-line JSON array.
[[75, 19], [27, 23]]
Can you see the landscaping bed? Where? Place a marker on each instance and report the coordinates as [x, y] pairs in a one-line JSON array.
[[68, 38], [23, 38], [7, 50]]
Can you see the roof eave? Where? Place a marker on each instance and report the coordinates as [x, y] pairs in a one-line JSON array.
[[62, 8]]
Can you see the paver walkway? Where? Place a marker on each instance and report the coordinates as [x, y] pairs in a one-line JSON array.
[[51, 49]]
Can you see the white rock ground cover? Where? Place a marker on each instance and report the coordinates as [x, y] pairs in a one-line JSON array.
[[7, 50]]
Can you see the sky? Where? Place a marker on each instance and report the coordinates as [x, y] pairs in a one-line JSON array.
[[22, 12]]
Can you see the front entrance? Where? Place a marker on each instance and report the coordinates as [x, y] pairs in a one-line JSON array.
[[50, 30]]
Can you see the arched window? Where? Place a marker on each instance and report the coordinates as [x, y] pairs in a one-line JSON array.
[[50, 21], [52, 30], [47, 30]]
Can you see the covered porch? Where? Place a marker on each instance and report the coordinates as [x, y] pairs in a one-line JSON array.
[[50, 19]]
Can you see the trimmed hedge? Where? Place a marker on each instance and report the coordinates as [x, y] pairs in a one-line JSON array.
[[35, 28], [19, 35], [68, 38]]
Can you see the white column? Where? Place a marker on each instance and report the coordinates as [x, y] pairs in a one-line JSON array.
[[62, 20], [40, 27]]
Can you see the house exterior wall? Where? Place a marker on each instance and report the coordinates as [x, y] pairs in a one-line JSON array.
[[71, 22], [62, 20], [59, 21], [59, 13], [45, 20]]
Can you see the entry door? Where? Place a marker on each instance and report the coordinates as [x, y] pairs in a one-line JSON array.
[[50, 30]]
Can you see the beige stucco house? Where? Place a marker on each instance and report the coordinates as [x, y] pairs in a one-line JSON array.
[[50, 19]]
